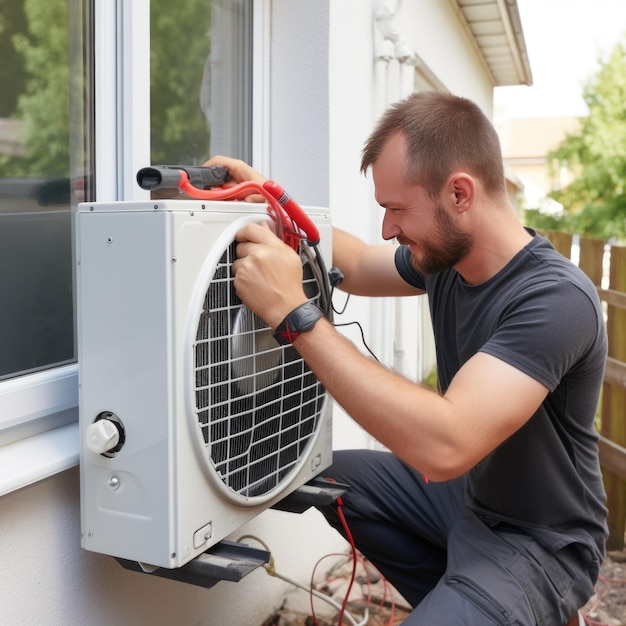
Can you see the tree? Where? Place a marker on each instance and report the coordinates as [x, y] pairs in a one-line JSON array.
[[35, 63], [43, 105], [595, 201], [179, 47], [12, 20]]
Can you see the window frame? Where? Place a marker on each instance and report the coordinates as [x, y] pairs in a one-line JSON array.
[[261, 67], [39, 411], [39, 431]]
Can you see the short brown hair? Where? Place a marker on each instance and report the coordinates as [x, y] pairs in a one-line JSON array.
[[443, 133]]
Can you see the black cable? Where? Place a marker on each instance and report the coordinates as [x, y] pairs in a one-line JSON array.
[[330, 279], [327, 305], [345, 304], [362, 336]]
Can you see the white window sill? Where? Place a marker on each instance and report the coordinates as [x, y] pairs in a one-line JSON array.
[[38, 426], [25, 462]]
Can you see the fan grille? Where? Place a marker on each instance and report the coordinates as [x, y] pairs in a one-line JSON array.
[[258, 404]]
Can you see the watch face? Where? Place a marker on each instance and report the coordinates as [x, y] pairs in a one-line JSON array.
[[304, 317]]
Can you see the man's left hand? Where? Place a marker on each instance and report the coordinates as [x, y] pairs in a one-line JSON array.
[[268, 274]]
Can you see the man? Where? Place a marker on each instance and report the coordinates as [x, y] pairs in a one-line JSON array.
[[489, 509]]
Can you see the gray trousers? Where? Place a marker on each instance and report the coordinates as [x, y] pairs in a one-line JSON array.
[[452, 566]]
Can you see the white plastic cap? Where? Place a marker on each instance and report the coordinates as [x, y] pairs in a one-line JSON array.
[[102, 436]]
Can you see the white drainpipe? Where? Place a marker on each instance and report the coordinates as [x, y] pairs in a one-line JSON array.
[[394, 80]]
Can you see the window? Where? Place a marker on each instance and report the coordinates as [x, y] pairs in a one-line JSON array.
[[200, 58], [56, 57], [200, 80], [42, 172], [45, 168]]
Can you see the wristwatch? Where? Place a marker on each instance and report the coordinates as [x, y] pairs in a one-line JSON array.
[[301, 319]]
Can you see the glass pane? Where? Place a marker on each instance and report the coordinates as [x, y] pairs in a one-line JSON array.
[[42, 150], [200, 80]]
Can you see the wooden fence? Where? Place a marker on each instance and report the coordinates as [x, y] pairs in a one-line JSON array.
[[606, 267]]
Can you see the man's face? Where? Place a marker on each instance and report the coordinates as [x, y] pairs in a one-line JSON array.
[[424, 224], [443, 247]]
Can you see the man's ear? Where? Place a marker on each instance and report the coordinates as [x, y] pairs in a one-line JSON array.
[[462, 190]]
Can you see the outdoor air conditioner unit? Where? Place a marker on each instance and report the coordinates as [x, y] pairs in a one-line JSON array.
[[193, 420]]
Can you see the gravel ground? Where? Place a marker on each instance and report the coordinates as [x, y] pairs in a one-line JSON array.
[[607, 606]]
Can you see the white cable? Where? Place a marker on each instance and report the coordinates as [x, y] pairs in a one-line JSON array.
[[270, 569], [322, 596]]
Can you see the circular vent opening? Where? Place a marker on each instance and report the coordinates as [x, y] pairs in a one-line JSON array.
[[258, 404]]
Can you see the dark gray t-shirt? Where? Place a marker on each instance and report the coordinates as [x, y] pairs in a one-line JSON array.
[[542, 315]]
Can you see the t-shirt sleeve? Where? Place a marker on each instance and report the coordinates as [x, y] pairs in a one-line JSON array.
[[546, 331], [406, 270]]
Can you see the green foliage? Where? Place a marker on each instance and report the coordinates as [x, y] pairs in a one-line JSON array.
[[431, 379], [12, 20], [41, 49], [34, 68], [540, 221], [595, 201], [180, 46]]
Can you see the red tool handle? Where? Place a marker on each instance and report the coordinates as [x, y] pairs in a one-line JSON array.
[[294, 211]]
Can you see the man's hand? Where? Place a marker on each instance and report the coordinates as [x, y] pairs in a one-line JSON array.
[[240, 172], [268, 274]]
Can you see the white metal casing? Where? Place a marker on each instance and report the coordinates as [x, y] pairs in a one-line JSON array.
[[141, 266]]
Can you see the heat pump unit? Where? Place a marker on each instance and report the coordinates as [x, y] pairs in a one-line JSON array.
[[193, 420]]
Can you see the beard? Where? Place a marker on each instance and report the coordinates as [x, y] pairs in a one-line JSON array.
[[447, 245]]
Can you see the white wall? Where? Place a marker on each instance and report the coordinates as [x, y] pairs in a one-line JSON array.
[[361, 87], [326, 93], [48, 579]]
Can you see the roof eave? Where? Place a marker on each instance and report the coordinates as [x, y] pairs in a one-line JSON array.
[[495, 29]]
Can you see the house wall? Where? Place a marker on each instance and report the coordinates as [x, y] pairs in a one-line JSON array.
[[326, 92], [48, 579], [526, 142], [361, 87]]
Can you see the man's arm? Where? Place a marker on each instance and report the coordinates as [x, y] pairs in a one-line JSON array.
[[441, 436], [368, 270]]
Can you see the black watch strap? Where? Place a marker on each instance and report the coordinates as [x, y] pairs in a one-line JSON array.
[[301, 319]]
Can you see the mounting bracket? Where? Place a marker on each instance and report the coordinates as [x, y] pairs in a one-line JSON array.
[[232, 561]]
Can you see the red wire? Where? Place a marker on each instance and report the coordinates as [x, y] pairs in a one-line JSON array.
[[386, 590], [367, 565], [288, 230], [317, 564], [344, 523]]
